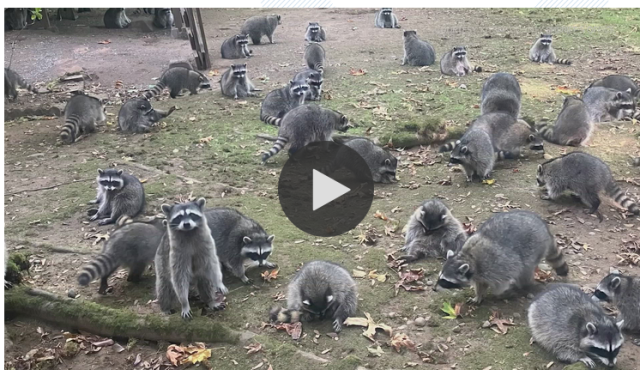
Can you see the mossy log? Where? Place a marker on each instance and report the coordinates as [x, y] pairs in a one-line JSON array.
[[105, 321]]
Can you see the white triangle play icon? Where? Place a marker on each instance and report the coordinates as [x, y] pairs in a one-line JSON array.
[[325, 189]]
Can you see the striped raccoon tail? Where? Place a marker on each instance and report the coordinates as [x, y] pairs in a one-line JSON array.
[[156, 90], [319, 67], [123, 220], [25, 85], [277, 147], [556, 259], [621, 199], [547, 132], [70, 130], [283, 315], [448, 146], [100, 267], [270, 120], [477, 69], [563, 61]]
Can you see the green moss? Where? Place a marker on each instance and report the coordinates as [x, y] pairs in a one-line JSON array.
[[21, 260]]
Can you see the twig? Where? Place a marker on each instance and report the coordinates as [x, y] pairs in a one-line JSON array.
[[266, 137], [47, 187], [152, 169]]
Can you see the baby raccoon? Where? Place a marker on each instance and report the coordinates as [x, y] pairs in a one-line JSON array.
[[133, 244], [386, 19], [259, 26], [607, 104], [584, 175], [163, 18], [81, 114], [542, 52], [380, 162], [280, 101], [235, 47], [417, 52], [314, 57], [137, 116], [307, 124], [624, 293], [315, 81], [455, 63], [235, 82], [501, 93], [11, 81], [239, 239], [186, 255], [319, 290], [474, 151], [564, 321], [118, 194], [503, 253], [177, 79], [116, 18], [315, 33], [432, 232], [620, 83], [573, 127]]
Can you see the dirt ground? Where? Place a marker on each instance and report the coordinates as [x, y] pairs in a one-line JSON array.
[[226, 168]]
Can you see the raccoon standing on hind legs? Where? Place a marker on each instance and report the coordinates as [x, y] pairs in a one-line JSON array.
[[455, 63], [235, 83], [118, 194], [417, 52], [315, 33], [542, 52], [501, 93], [236, 47], [81, 114], [386, 19]]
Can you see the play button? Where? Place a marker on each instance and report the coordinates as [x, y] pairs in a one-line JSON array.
[[325, 189]]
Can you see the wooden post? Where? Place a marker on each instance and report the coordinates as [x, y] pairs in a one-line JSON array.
[[177, 18], [197, 39], [45, 18], [204, 40]]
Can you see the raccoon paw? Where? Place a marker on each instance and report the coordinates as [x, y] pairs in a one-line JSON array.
[[94, 217], [7, 284], [218, 306], [337, 326], [223, 289], [246, 280], [186, 314], [589, 362], [93, 212], [269, 265], [475, 300], [105, 221]]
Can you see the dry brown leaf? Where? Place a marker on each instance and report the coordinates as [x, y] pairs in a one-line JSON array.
[[269, 275], [501, 324], [410, 277], [566, 90], [371, 326], [253, 348], [205, 140], [174, 354], [357, 72], [380, 215], [401, 340], [104, 42], [469, 228]]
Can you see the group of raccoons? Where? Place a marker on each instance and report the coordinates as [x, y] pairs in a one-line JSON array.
[[191, 243]]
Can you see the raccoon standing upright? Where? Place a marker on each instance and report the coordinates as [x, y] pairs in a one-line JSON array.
[[260, 25], [235, 82], [380, 163], [542, 52], [386, 19], [474, 151], [81, 114], [319, 290], [315, 81], [187, 254], [605, 104], [116, 18], [133, 245], [432, 232], [138, 116], [566, 322], [306, 124], [315, 33], [239, 239], [314, 57], [236, 47], [417, 52], [163, 18], [455, 63], [118, 194], [503, 253], [584, 175], [11, 81], [280, 101], [573, 127], [501, 93]]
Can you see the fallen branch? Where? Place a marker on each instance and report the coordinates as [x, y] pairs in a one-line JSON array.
[[47, 187], [48, 247], [109, 322]]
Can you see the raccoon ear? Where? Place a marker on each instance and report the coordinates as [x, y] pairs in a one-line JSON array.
[[166, 209], [201, 202], [421, 213], [619, 324], [463, 269], [532, 137], [615, 282], [344, 120], [270, 238], [444, 217], [628, 90], [164, 222], [591, 328], [245, 65], [291, 82], [464, 150], [457, 142], [387, 162], [619, 95], [450, 253], [119, 172], [329, 298], [100, 171], [539, 169], [246, 240], [306, 302], [233, 66], [541, 35]]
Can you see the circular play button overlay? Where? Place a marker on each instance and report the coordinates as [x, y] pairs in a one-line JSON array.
[[325, 189]]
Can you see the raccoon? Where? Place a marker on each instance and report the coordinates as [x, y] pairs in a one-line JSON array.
[[239, 239], [314, 57], [15, 18], [542, 52], [386, 19], [455, 63], [607, 104], [116, 18], [474, 151], [319, 290], [503, 253], [186, 254], [564, 321], [315, 33], [235, 82], [181, 63], [133, 244], [624, 293], [280, 101], [118, 194], [11, 81], [417, 52], [508, 135], [501, 93], [636, 161], [163, 18], [314, 79], [81, 114], [573, 127], [584, 175], [176, 79], [432, 232], [620, 83], [306, 124], [138, 116], [235, 47], [380, 163], [259, 26], [145, 10]]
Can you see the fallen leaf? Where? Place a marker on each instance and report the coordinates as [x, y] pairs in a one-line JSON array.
[[214, 72], [104, 42], [401, 340], [198, 356], [449, 310], [100, 237], [357, 72], [371, 326], [489, 181], [568, 91], [269, 275], [410, 277], [359, 274], [375, 351], [205, 140], [253, 348], [174, 354], [380, 215], [501, 324], [292, 329], [469, 228]]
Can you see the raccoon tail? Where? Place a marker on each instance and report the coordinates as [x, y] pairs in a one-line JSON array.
[[563, 61], [477, 69], [277, 147], [546, 131], [103, 265], [270, 120], [448, 147], [620, 198], [319, 67], [556, 259], [156, 90], [20, 81], [71, 129], [283, 315], [123, 220]]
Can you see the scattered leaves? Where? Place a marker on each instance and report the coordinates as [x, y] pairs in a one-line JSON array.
[[498, 324], [269, 275], [179, 355], [380, 215], [357, 72], [401, 340], [100, 237], [253, 348], [410, 280], [371, 326]]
